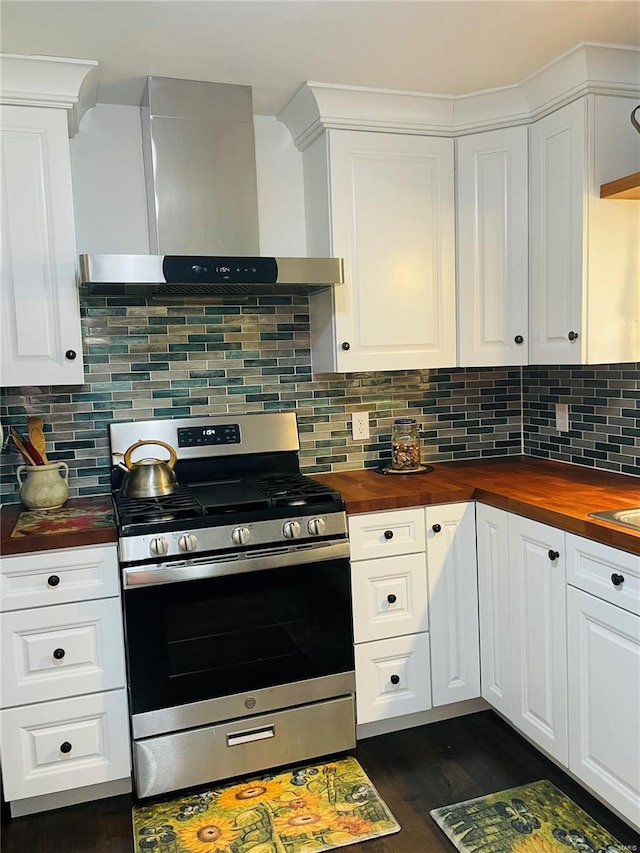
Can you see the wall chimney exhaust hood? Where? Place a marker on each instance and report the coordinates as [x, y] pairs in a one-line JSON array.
[[202, 201]]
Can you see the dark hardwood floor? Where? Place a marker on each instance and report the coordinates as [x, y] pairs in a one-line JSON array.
[[414, 771]]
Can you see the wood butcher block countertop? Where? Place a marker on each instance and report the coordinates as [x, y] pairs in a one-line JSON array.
[[51, 541], [554, 493]]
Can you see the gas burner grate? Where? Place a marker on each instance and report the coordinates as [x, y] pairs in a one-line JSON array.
[[293, 490], [180, 504]]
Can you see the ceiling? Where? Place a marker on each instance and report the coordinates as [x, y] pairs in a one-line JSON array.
[[437, 46]]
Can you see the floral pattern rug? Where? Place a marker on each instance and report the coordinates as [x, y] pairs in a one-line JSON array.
[[302, 810], [535, 818]]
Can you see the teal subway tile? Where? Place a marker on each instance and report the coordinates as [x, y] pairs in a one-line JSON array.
[[206, 374], [281, 406], [292, 327], [223, 381], [170, 320], [167, 356], [91, 398], [191, 401], [129, 377], [255, 309], [162, 393], [260, 362], [128, 339], [276, 336], [187, 383], [113, 404], [106, 349], [235, 346], [277, 371], [221, 309], [99, 311], [244, 389], [186, 347], [261, 398], [97, 417], [205, 339], [111, 386], [172, 413]]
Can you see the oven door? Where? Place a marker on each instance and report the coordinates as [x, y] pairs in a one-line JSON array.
[[238, 644]]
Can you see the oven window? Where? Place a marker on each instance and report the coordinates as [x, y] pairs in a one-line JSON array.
[[217, 637]]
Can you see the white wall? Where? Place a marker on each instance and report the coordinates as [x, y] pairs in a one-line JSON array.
[[109, 189]]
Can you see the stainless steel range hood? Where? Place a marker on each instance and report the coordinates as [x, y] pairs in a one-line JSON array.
[[200, 170]]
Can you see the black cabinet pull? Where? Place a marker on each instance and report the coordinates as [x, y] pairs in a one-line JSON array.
[[617, 580], [391, 598], [395, 679], [58, 654], [53, 580], [346, 345], [573, 336], [519, 339], [70, 354], [65, 747], [388, 534], [436, 528], [553, 555]]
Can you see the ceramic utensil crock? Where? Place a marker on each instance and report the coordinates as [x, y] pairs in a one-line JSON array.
[[43, 486]]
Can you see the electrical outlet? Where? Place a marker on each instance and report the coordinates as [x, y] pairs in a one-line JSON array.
[[562, 417], [360, 425]]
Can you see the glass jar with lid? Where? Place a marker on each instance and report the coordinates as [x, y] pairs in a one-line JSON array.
[[405, 445]]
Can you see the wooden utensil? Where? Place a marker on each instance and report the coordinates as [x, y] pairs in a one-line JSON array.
[[36, 437], [19, 443]]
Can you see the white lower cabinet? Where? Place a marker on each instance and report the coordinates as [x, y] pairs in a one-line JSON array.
[[604, 672], [453, 602], [414, 609], [560, 648], [64, 721], [521, 578]]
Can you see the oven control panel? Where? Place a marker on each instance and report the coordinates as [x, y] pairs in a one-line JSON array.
[[212, 434]]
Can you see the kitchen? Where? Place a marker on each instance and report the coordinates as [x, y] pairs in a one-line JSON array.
[[139, 356]]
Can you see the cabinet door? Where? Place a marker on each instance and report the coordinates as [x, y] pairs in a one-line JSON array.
[[63, 650], [493, 248], [389, 597], [392, 678], [494, 607], [558, 188], [604, 700], [539, 634], [386, 534], [453, 603], [392, 220], [58, 746], [41, 337]]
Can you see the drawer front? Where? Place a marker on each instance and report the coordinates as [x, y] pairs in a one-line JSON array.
[[389, 597], [57, 577], [57, 746], [392, 678], [386, 534], [594, 567], [67, 650], [201, 755]]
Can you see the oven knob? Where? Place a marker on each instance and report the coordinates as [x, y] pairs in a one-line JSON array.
[[316, 526], [240, 535], [159, 546], [291, 529], [187, 542]]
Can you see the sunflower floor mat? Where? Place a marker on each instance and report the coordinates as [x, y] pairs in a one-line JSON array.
[[306, 809]]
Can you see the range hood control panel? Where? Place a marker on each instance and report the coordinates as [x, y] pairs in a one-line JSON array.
[[178, 269]]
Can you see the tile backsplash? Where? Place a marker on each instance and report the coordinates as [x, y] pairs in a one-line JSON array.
[[144, 360], [604, 415]]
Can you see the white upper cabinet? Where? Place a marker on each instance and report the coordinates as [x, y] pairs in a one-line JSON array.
[[585, 251], [41, 336], [385, 203], [493, 242]]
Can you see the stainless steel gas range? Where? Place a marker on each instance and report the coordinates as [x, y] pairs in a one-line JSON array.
[[237, 603]]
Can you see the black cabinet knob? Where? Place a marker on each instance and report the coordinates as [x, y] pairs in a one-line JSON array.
[[70, 354], [553, 555], [395, 679], [346, 345], [65, 747], [58, 654], [519, 339], [53, 580], [391, 598], [436, 528], [617, 580], [388, 534], [573, 336]]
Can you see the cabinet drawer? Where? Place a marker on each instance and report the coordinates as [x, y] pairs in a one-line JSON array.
[[386, 534], [57, 746], [53, 652], [389, 597], [591, 565], [392, 678], [57, 577]]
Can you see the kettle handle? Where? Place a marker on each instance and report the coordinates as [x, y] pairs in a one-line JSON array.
[[173, 456]]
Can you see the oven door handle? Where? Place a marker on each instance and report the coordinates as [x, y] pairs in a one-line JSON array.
[[135, 577]]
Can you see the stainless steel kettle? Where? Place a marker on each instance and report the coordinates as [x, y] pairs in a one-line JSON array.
[[148, 478]]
